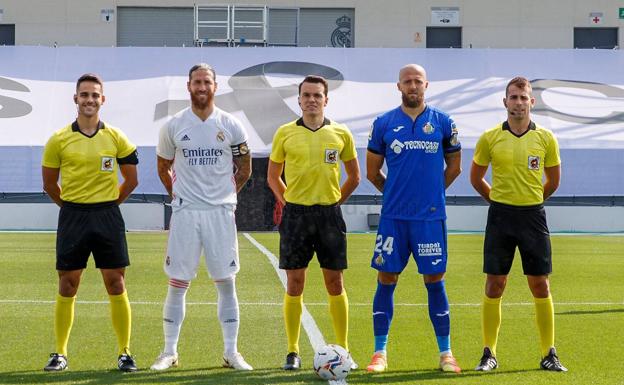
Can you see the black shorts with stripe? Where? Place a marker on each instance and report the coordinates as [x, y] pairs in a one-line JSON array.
[[523, 227], [95, 228], [308, 229]]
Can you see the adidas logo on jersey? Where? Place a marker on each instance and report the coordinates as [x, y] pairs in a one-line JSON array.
[[233, 263], [185, 138]]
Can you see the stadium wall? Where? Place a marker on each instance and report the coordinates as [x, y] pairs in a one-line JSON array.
[[44, 216], [405, 23], [473, 218], [152, 216]]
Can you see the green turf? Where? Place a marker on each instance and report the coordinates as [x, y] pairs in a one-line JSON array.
[[587, 286]]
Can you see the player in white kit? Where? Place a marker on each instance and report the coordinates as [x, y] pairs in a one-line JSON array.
[[198, 149]]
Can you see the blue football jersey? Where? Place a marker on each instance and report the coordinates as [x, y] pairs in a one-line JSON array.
[[414, 154]]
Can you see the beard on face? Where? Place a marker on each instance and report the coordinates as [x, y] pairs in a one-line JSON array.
[[410, 102], [517, 115], [198, 102]]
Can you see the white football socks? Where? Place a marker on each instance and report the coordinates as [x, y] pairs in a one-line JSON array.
[[173, 313], [227, 310]]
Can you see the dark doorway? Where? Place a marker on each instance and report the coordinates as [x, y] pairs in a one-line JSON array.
[[444, 37], [7, 34], [603, 38], [256, 203]]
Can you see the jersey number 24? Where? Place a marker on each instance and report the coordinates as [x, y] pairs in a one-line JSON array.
[[382, 245]]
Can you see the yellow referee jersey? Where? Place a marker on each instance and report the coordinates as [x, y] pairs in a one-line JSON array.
[[312, 168], [88, 165], [517, 162]]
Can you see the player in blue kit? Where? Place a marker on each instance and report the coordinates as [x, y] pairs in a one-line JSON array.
[[416, 141]]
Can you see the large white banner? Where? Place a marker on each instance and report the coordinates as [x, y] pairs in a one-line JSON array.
[[580, 96]]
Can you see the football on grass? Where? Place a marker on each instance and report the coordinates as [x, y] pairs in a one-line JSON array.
[[332, 362]]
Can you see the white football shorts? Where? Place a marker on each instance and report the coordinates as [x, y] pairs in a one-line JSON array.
[[212, 229]]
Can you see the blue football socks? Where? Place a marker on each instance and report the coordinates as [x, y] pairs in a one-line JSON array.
[[383, 309], [439, 314]]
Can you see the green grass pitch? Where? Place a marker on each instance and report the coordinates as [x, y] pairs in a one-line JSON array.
[[587, 286]]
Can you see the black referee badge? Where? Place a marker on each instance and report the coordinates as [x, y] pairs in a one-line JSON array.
[[331, 156], [108, 164], [534, 162], [428, 128]]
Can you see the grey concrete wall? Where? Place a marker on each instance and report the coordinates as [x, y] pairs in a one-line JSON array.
[[44, 216], [473, 218], [146, 216], [394, 23]]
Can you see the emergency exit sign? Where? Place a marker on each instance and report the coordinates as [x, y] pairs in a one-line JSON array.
[[621, 13]]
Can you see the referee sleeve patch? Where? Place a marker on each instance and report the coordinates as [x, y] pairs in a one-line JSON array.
[[133, 158], [240, 149]]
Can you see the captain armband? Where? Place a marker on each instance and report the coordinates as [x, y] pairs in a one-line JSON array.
[[240, 149]]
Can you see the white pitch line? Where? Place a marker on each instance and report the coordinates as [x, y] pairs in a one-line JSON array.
[[356, 304], [309, 325]]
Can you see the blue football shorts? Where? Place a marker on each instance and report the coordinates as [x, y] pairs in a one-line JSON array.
[[398, 239]]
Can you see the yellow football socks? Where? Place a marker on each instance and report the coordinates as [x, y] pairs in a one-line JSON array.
[[339, 310], [293, 307], [63, 321], [491, 318], [122, 321], [545, 319]]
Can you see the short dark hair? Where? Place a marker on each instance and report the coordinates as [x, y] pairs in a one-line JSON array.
[[203, 66], [519, 82], [89, 77], [315, 79]]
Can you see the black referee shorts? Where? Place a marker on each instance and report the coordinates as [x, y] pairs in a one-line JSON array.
[[91, 228], [509, 227], [308, 229]]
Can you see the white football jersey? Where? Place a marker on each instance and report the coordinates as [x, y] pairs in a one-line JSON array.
[[202, 153]]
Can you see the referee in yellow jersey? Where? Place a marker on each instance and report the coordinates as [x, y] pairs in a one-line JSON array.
[[521, 153], [309, 150], [87, 154]]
